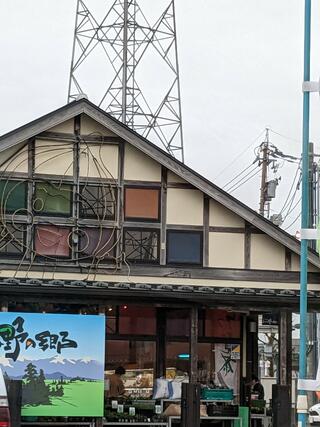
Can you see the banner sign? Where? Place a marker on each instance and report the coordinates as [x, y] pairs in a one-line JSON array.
[[60, 360]]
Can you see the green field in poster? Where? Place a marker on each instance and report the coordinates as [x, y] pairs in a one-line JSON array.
[[80, 399]]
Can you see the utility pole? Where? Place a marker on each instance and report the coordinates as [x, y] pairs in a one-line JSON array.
[[264, 162]]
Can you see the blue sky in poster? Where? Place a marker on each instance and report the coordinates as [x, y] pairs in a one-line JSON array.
[[87, 331]]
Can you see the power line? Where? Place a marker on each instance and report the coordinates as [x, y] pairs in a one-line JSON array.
[[239, 174], [240, 180], [256, 173], [299, 215], [239, 155], [291, 210], [284, 136], [291, 188]]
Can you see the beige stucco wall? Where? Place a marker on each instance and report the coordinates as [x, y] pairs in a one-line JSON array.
[[226, 250], [184, 206], [53, 158], [14, 159], [99, 161], [295, 264], [266, 253], [139, 167], [65, 127], [175, 179], [223, 217], [91, 127]]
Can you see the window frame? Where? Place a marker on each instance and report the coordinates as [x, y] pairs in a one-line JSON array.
[[182, 263], [51, 257], [82, 200], [25, 185], [11, 255], [133, 261], [142, 219], [52, 214], [88, 259]]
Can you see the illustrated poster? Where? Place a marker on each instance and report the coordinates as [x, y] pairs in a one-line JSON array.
[[60, 360]]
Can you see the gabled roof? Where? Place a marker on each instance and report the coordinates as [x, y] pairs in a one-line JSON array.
[[75, 108]]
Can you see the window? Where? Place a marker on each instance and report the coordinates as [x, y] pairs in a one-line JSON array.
[[52, 241], [184, 247], [52, 199], [13, 196], [137, 320], [142, 204], [178, 322], [139, 359], [222, 324], [177, 360], [141, 245], [12, 239], [96, 243], [98, 202]]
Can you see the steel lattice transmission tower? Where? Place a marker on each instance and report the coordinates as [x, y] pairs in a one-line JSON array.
[[129, 45]]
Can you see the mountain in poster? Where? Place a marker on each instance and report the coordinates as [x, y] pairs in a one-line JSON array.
[[67, 368]]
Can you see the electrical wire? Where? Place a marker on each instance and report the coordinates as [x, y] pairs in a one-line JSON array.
[[284, 136], [250, 177], [293, 222], [239, 174], [241, 181], [291, 188], [239, 155]]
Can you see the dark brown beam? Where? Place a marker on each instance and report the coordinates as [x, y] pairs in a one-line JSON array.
[[193, 344]]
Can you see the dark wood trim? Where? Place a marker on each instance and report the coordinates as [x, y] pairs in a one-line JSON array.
[[288, 259], [30, 185], [216, 229], [183, 271], [69, 137], [247, 246], [76, 181], [120, 202], [161, 343], [206, 212], [182, 186], [142, 184], [184, 227], [193, 344], [163, 216], [285, 348], [142, 225]]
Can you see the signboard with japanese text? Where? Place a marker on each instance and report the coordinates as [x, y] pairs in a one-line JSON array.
[[60, 360]]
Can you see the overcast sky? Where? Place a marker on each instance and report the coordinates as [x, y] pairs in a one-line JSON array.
[[240, 69]]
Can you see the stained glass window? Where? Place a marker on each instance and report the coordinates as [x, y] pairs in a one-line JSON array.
[[142, 203], [52, 199], [98, 201], [96, 243], [141, 245], [52, 241], [184, 247], [13, 196], [12, 239]]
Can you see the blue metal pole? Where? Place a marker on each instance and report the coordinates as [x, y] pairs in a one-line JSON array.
[[302, 416]]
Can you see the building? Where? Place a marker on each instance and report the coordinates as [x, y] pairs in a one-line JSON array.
[[96, 219]]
